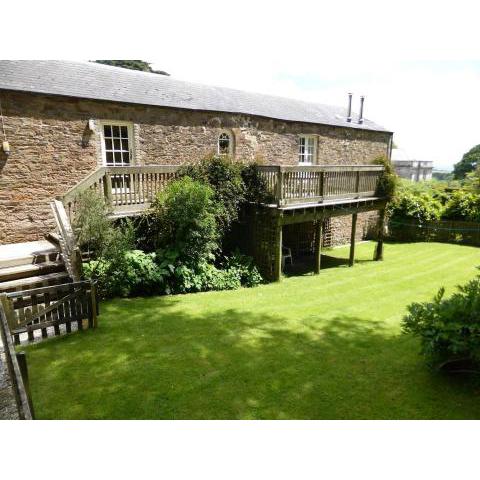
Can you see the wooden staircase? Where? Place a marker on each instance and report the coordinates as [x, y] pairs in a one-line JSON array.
[[53, 261], [31, 265]]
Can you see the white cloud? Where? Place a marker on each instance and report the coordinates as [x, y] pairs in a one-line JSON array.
[[414, 60]]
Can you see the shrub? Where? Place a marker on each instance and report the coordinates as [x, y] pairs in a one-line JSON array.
[[256, 190], [463, 205], [388, 181], [420, 206], [91, 224], [223, 175], [236, 271], [136, 273], [449, 328], [183, 217], [246, 269]]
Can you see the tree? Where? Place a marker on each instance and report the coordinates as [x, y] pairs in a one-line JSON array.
[[467, 164], [132, 65]]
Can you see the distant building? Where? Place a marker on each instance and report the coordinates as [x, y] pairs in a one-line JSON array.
[[406, 167]]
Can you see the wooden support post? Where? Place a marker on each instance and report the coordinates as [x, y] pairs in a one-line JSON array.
[[381, 231], [352, 240], [22, 364], [279, 192], [6, 304], [357, 183], [107, 188], [318, 245], [93, 304], [277, 268]]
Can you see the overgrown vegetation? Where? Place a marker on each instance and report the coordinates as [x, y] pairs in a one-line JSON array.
[[469, 163], [436, 200], [224, 177], [418, 205], [388, 181], [448, 328], [180, 236], [184, 218], [463, 205]]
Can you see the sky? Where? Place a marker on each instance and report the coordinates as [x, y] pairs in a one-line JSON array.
[[417, 62]]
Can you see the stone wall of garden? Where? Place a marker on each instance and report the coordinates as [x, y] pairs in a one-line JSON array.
[[52, 148]]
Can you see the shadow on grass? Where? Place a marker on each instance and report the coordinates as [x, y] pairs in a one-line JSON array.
[[147, 359], [304, 264]]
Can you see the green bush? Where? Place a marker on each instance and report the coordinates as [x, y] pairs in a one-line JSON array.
[[388, 181], [463, 205], [135, 273], [256, 190], [224, 177], [419, 206], [236, 271], [448, 328], [91, 224], [183, 218], [245, 268]]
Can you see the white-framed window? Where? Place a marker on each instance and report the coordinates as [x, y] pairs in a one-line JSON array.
[[307, 149], [117, 150], [117, 138], [225, 144]]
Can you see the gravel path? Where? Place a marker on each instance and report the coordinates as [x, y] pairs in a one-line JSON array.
[[8, 405]]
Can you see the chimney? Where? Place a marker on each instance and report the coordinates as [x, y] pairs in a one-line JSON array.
[[349, 114], [360, 117]]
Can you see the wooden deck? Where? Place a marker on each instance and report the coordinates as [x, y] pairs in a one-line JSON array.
[[130, 190]]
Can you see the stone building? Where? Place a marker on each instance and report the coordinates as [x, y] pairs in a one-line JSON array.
[[406, 167], [64, 120]]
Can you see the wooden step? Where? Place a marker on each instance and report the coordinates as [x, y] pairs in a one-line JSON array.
[[26, 253], [35, 282], [31, 270]]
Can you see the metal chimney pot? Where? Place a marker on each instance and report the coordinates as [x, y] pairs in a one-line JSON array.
[[360, 117], [349, 114]]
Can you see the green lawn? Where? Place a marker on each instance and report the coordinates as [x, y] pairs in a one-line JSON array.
[[312, 347]]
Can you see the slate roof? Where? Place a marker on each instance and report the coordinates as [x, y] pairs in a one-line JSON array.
[[103, 82]]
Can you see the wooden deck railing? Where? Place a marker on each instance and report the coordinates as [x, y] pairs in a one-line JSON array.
[[126, 189], [315, 184], [132, 189]]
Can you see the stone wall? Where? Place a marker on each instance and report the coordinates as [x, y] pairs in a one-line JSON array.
[[52, 148], [342, 227], [300, 236]]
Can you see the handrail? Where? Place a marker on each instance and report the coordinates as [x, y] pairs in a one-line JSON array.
[[321, 168], [87, 182], [68, 247]]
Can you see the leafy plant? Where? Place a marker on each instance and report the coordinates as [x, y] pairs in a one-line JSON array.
[[245, 267], [91, 224], [388, 181], [467, 164], [224, 177], [136, 273], [256, 190], [183, 217], [463, 205], [448, 328], [420, 206], [236, 271]]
